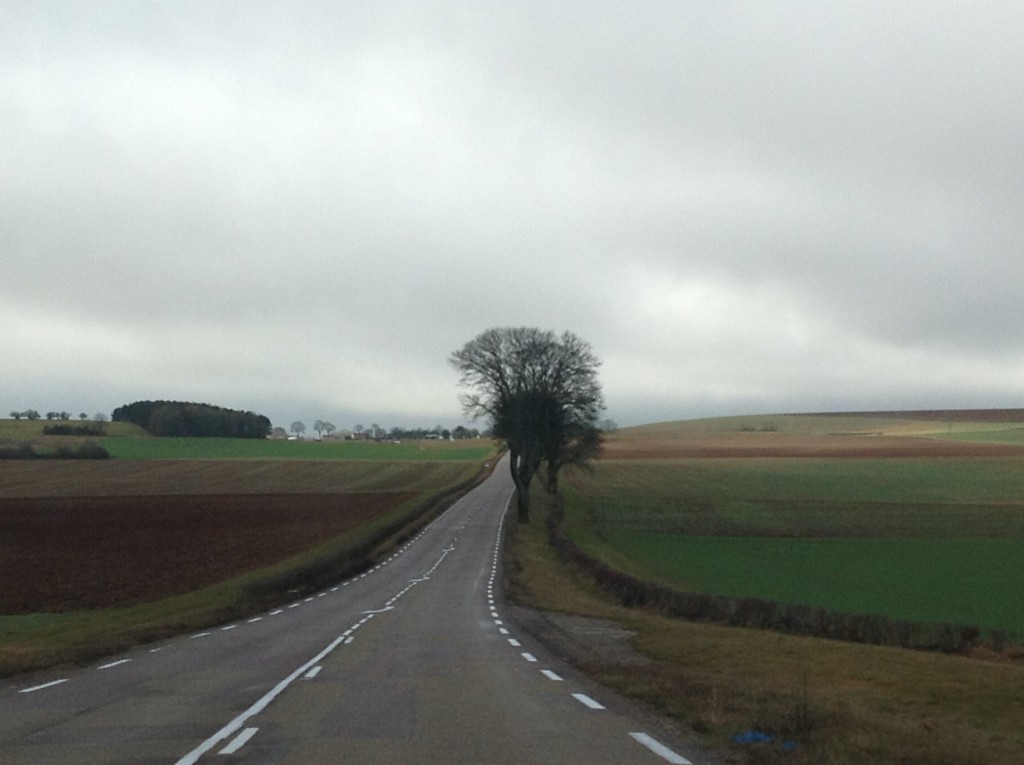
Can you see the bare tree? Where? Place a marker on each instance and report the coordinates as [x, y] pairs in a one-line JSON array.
[[542, 395], [298, 428]]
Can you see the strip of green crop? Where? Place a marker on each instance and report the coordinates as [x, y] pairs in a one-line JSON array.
[[234, 448], [922, 540], [965, 580]]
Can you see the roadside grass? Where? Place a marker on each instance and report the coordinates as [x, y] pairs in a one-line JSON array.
[[840, 703]]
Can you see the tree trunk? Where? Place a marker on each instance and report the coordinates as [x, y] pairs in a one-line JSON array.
[[522, 470], [551, 485]]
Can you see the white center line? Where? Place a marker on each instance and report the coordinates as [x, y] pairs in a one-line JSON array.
[[660, 749], [193, 757], [514, 643], [229, 627], [44, 685], [254, 620], [200, 634], [239, 741], [586, 701], [551, 675], [529, 657]]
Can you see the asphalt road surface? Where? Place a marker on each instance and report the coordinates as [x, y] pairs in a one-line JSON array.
[[411, 662]]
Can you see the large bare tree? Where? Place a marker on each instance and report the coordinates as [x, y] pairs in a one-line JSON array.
[[541, 393]]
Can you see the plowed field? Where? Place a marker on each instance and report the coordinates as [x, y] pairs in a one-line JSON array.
[[69, 553]]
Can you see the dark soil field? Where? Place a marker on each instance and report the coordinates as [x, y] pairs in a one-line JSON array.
[[69, 553]]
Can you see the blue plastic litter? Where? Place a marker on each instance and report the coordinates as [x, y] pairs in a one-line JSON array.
[[753, 737]]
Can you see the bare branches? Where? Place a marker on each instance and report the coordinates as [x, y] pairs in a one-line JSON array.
[[541, 394]]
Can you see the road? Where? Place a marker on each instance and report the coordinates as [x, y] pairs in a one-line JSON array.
[[411, 662]]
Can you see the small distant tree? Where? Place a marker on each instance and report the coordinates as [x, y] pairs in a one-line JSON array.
[[31, 414], [318, 426], [16, 415], [328, 427], [100, 417], [83, 416], [52, 415], [298, 428]]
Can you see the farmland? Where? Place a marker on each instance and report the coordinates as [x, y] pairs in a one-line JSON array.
[[918, 516], [94, 555], [871, 520]]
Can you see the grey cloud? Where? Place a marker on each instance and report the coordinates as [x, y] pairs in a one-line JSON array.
[[326, 199]]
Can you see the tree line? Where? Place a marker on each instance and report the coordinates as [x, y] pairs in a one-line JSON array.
[[184, 418], [375, 432], [32, 414]]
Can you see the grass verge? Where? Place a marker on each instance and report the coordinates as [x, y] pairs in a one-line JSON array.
[[838, 702]]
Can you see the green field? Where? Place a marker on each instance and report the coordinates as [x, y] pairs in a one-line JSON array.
[[916, 539], [234, 448]]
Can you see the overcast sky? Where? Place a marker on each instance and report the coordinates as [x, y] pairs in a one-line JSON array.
[[302, 208]]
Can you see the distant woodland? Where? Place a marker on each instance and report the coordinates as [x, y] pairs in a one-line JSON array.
[[183, 418]]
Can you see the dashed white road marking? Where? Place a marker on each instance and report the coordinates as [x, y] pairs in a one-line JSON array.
[[239, 741], [550, 675], [529, 657], [586, 701], [114, 664], [660, 749], [254, 620], [200, 634], [514, 643], [229, 627]]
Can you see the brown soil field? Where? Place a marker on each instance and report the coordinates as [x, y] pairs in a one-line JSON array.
[[733, 445], [92, 478], [70, 553]]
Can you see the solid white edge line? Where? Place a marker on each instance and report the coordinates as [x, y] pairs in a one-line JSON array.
[[660, 749], [239, 741], [586, 701]]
